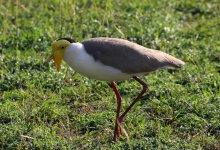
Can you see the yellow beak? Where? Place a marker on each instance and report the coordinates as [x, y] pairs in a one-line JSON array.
[[57, 58], [57, 61]]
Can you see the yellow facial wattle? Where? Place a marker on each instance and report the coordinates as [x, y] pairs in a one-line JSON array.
[[58, 50]]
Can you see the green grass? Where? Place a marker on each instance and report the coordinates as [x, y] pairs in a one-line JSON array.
[[43, 109]]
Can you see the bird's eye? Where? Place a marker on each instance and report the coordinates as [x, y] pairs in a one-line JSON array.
[[62, 47]]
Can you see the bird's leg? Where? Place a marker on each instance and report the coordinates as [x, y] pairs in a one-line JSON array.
[[117, 126], [144, 89]]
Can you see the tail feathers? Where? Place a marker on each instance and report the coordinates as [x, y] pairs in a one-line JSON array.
[[177, 63], [169, 60]]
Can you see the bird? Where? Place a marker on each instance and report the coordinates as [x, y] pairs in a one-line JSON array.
[[111, 60]]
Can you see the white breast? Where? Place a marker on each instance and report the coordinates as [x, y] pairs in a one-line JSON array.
[[78, 59]]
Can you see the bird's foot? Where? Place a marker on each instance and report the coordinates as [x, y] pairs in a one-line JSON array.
[[120, 120], [120, 126], [119, 129], [116, 136]]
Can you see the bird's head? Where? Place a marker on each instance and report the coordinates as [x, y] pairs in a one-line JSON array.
[[58, 49]]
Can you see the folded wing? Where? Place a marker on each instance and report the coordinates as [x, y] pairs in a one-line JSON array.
[[127, 56]]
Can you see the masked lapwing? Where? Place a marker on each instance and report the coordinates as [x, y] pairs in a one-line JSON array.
[[112, 59]]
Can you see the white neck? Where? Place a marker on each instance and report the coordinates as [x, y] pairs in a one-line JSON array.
[[72, 53]]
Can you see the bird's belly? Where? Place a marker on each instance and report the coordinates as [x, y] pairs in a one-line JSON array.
[[101, 72]]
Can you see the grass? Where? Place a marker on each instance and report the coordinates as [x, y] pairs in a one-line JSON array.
[[43, 109]]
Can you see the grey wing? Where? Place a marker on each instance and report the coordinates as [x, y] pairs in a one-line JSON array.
[[127, 56]]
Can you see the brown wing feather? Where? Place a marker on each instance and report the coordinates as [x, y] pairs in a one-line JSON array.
[[127, 56]]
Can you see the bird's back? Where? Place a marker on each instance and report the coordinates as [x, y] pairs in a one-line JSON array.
[[127, 56]]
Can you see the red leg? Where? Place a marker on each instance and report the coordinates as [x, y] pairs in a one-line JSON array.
[[116, 132], [120, 119], [144, 89]]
